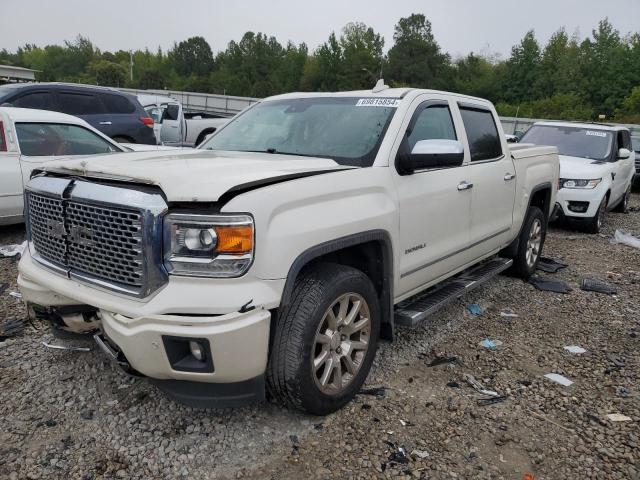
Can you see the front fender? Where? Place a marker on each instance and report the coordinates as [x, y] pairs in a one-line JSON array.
[[294, 216]]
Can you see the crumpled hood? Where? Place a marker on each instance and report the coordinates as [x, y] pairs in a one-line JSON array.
[[582, 168], [193, 175]]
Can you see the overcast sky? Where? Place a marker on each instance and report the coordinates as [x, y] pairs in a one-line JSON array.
[[460, 26]]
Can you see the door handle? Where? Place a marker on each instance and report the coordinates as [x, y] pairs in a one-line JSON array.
[[464, 185], [508, 177], [105, 123]]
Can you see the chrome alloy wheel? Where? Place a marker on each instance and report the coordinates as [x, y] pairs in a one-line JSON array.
[[534, 243], [341, 343]]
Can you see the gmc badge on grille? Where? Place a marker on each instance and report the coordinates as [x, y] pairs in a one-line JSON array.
[[56, 228], [81, 236]]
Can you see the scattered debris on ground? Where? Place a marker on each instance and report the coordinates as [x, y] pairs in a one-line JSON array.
[[68, 416]]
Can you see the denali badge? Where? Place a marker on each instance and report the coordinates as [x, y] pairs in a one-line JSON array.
[[413, 249]]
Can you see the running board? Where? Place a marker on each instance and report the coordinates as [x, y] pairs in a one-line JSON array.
[[415, 309]]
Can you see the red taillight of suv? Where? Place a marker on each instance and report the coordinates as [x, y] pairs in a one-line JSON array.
[[148, 121]]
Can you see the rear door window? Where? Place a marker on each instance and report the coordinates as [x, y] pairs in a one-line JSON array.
[[39, 100], [117, 103], [3, 141], [79, 103], [482, 133]]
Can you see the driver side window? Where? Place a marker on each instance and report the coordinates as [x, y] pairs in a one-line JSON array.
[[433, 123]]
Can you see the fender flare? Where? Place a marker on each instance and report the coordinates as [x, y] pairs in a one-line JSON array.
[[386, 294]]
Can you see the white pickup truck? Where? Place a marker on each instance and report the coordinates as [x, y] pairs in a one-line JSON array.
[[175, 127], [278, 254]]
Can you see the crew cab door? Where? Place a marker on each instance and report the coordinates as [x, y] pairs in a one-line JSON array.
[[434, 203], [171, 130], [493, 175], [10, 177]]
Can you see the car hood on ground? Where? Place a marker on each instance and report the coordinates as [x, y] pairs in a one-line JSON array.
[[582, 168], [195, 175]]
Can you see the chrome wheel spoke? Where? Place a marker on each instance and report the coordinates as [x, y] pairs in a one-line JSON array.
[[355, 310], [342, 311], [326, 373], [359, 345], [357, 326], [332, 321], [321, 359], [349, 365]]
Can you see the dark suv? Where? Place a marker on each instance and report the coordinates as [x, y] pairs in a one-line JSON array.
[[116, 114]]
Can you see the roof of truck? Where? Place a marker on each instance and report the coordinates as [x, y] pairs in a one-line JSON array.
[[385, 92]]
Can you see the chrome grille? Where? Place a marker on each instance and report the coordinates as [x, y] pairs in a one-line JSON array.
[[46, 216], [106, 242], [77, 229]]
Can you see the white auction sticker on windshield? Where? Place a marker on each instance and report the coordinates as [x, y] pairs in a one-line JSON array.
[[378, 102], [591, 133]]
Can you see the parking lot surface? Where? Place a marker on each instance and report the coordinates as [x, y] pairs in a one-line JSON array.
[[74, 415]]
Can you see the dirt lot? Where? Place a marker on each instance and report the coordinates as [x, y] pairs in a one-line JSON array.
[[72, 415]]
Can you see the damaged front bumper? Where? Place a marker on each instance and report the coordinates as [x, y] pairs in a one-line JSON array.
[[204, 360]]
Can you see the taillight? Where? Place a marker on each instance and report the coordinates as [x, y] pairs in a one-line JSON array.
[[148, 121]]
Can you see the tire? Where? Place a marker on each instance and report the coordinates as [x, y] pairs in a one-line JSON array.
[[595, 223], [530, 243], [303, 334], [122, 140], [623, 205]]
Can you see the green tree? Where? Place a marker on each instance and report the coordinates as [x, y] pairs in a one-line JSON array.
[[475, 75], [192, 57], [416, 59], [559, 67], [108, 73], [521, 72], [361, 57], [606, 68]]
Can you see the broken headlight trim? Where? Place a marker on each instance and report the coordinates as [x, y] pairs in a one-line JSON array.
[[576, 183], [219, 246]]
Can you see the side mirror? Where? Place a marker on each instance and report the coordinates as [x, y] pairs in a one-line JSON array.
[[624, 153], [433, 154], [172, 112]]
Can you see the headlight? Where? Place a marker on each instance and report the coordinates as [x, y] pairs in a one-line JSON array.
[[208, 245], [568, 183]]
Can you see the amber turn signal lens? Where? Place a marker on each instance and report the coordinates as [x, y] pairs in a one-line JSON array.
[[234, 239]]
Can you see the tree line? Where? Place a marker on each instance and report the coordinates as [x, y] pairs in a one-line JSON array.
[[568, 78]]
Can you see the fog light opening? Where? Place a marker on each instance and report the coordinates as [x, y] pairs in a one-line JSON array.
[[196, 350]]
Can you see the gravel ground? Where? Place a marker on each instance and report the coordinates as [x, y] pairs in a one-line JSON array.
[[72, 415]]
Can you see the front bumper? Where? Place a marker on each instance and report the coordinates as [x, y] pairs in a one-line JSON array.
[[238, 340], [570, 198]]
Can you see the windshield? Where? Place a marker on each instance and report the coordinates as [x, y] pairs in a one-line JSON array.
[[347, 130], [572, 141], [51, 139], [635, 141]]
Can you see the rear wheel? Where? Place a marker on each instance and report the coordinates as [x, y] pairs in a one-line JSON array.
[[595, 223], [325, 340], [530, 243]]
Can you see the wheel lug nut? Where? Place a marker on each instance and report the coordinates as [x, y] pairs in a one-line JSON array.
[[343, 337], [338, 350]]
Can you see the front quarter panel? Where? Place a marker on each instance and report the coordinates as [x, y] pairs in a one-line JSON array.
[[293, 216]]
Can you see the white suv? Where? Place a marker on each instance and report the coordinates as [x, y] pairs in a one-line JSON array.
[[596, 168]]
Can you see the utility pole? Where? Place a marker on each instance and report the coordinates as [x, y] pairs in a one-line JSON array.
[[131, 65]]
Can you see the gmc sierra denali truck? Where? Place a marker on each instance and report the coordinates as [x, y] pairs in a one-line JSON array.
[[276, 256]]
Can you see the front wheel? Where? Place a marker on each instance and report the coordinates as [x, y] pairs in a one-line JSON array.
[[325, 340], [530, 245], [595, 223]]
